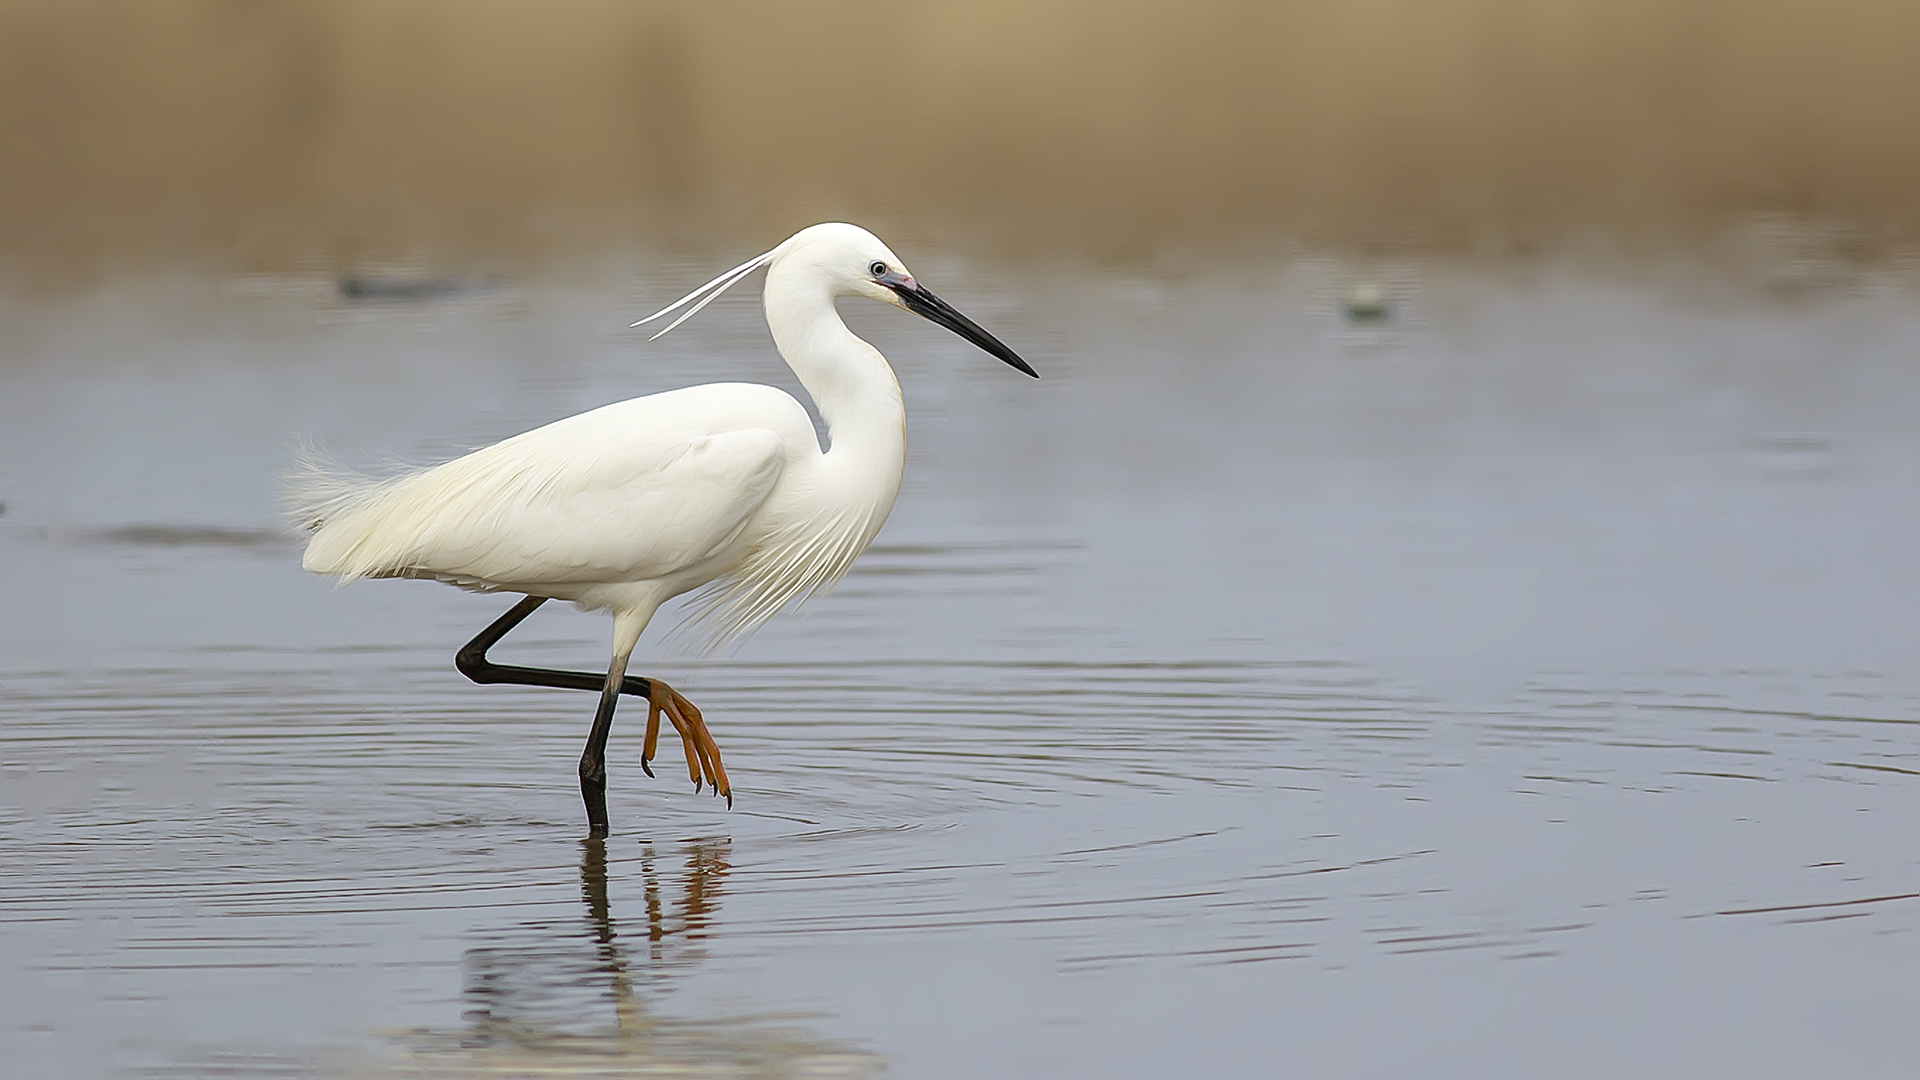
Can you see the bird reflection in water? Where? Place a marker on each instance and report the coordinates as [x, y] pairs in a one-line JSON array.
[[546, 996]]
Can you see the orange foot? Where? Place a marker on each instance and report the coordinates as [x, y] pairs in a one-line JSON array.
[[703, 755]]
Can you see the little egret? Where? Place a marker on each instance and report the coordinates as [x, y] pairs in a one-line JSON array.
[[622, 508]]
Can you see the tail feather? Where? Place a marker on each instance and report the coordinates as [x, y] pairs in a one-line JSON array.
[[325, 498]]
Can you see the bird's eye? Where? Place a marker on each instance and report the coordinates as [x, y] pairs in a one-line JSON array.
[[877, 269]]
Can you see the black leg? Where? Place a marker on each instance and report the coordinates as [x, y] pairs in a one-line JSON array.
[[593, 764], [473, 663]]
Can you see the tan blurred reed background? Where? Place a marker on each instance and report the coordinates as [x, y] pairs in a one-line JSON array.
[[267, 134]]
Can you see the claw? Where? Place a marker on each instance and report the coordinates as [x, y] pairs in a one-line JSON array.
[[701, 742], [652, 741]]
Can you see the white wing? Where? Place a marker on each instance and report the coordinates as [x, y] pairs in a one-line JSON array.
[[631, 492]]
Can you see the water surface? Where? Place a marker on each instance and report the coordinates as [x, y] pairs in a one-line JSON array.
[[1522, 683]]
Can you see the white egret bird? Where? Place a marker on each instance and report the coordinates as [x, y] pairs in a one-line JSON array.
[[622, 508]]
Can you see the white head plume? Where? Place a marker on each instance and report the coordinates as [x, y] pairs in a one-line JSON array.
[[710, 290]]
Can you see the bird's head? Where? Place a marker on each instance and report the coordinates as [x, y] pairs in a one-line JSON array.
[[846, 259], [853, 262], [850, 261]]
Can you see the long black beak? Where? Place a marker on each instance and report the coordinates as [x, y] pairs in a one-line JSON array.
[[923, 303]]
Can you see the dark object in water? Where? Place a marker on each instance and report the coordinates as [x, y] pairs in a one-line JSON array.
[[373, 287], [179, 536], [1367, 304]]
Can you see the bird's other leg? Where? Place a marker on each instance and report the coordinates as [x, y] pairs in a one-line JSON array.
[[703, 754], [473, 663], [593, 759]]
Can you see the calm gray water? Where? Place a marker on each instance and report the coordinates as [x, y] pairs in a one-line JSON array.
[[1524, 685]]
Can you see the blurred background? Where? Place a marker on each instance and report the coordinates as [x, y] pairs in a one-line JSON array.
[[1448, 605], [269, 134]]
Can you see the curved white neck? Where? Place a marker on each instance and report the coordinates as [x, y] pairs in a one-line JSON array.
[[848, 379]]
